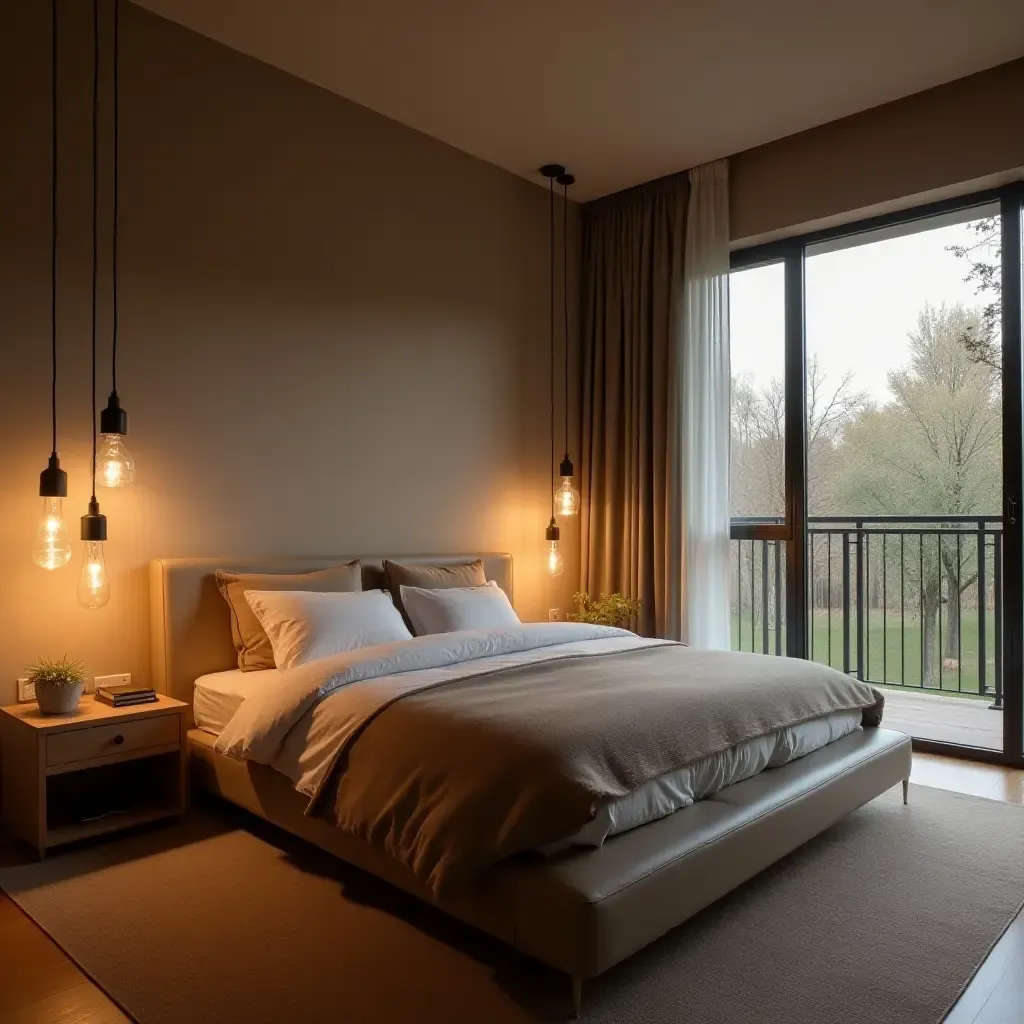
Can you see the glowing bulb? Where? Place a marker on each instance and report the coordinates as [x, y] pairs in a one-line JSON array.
[[555, 564], [114, 466], [93, 585], [567, 498], [51, 548]]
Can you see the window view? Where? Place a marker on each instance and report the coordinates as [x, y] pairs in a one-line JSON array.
[[757, 328], [757, 479], [904, 478], [904, 470]]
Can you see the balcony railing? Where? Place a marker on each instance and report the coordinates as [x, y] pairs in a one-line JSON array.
[[906, 601]]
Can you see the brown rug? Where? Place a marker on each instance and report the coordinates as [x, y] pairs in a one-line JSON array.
[[221, 919]]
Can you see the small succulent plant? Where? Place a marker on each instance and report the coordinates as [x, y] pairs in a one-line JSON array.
[[605, 610], [57, 672]]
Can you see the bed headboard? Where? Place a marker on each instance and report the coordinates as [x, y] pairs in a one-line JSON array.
[[191, 628]]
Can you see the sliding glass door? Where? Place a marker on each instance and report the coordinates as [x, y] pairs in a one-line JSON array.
[[876, 470]]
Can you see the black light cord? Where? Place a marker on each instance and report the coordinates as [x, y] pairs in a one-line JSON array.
[[565, 300], [551, 376], [113, 250], [53, 231], [95, 217]]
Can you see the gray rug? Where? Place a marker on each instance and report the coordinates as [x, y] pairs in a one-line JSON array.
[[882, 919]]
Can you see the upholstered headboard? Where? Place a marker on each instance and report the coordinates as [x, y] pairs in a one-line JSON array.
[[189, 619]]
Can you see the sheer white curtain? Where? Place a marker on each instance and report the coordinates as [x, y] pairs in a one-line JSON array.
[[699, 406]]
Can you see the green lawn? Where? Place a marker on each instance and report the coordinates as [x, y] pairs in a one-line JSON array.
[[882, 648]]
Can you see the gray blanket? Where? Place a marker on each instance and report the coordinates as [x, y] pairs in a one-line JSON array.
[[454, 776]]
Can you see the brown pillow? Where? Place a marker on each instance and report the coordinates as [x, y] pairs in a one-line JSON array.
[[251, 641], [431, 577]]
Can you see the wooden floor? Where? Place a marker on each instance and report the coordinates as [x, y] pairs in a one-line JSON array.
[[996, 993], [40, 985], [929, 716]]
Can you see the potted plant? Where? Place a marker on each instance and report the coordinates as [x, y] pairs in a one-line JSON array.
[[58, 684], [605, 609]]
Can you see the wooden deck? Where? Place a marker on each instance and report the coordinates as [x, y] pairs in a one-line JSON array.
[[930, 716]]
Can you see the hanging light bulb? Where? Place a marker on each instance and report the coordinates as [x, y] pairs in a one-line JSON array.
[[555, 564], [93, 584], [567, 498], [553, 561], [51, 548], [115, 467]]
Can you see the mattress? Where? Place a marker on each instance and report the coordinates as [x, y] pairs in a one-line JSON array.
[[219, 695]]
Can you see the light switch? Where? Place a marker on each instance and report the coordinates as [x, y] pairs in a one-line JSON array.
[[119, 679]]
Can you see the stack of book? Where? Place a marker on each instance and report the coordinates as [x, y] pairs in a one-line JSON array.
[[123, 696]]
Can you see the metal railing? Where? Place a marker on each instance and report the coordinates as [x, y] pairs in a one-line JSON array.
[[911, 601]]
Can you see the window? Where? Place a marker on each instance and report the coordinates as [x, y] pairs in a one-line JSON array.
[[757, 349]]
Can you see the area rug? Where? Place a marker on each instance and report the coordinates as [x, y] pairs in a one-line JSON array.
[[883, 918]]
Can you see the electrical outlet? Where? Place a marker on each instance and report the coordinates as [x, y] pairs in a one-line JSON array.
[[26, 691], [120, 679], [554, 615]]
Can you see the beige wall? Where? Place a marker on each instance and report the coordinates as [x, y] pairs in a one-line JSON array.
[[958, 132], [333, 332]]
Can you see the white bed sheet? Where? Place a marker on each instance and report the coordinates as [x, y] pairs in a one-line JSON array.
[[220, 694]]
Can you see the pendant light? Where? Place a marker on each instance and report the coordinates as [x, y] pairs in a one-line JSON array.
[[93, 585], [51, 548], [567, 498], [553, 561], [117, 467]]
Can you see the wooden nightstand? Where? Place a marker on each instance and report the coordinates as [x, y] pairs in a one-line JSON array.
[[100, 769]]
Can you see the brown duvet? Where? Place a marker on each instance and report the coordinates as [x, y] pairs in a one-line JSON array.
[[454, 777]]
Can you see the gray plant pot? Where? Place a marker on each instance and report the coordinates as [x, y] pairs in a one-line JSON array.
[[58, 699]]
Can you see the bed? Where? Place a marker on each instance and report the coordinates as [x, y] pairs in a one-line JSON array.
[[580, 909]]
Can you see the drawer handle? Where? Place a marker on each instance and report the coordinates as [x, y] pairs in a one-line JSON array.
[[119, 739]]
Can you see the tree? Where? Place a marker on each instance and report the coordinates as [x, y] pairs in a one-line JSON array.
[[984, 256], [758, 483], [758, 479], [933, 450]]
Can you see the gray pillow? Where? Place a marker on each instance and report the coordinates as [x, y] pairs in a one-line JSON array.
[[252, 644], [431, 577]]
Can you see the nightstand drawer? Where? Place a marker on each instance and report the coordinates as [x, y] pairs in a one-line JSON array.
[[104, 740]]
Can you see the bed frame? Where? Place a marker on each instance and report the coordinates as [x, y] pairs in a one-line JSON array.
[[583, 910]]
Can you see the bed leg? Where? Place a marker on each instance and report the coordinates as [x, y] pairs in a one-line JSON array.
[[577, 996], [906, 790]]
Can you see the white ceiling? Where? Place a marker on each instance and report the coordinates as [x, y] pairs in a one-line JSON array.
[[620, 91]]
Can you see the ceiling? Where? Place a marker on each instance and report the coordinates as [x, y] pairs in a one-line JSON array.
[[620, 91]]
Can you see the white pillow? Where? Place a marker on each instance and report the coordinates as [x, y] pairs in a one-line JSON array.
[[303, 626], [452, 608]]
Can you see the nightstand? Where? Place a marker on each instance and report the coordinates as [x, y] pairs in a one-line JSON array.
[[97, 770]]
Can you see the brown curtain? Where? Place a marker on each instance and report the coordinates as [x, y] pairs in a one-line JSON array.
[[632, 285]]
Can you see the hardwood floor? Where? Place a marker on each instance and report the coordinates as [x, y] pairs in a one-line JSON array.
[[996, 993], [50, 989], [41, 985]]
